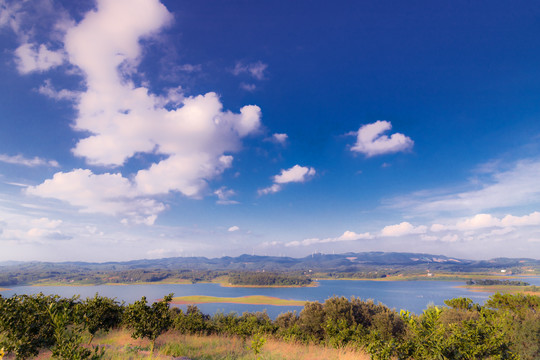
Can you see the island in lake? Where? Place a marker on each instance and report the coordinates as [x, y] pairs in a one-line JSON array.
[[247, 300]]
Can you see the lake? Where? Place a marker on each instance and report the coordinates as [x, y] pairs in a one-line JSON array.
[[414, 296]]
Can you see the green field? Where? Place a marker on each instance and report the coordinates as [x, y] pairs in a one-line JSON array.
[[249, 300], [505, 289], [436, 276]]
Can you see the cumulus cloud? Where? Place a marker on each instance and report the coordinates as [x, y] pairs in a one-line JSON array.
[[30, 57], [233, 228], [484, 221], [256, 69], [526, 220], [346, 236], [280, 138], [478, 221], [404, 228], [107, 193], [192, 135], [295, 174], [371, 142], [24, 229], [21, 160]]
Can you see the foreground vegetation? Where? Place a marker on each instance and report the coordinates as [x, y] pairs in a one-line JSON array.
[[173, 344], [506, 327]]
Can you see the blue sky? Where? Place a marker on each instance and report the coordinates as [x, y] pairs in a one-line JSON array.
[[146, 129]]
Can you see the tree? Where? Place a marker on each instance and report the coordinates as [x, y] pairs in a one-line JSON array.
[[25, 324], [149, 321], [100, 313], [68, 334]]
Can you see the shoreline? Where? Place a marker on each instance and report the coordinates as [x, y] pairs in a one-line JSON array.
[[504, 289], [244, 300], [313, 284], [223, 283], [424, 277], [173, 282]]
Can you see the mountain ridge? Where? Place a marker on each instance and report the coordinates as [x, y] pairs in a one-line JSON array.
[[264, 262]]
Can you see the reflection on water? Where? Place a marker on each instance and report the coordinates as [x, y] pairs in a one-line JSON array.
[[414, 296]]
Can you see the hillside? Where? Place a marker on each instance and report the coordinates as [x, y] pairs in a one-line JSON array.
[[196, 269]]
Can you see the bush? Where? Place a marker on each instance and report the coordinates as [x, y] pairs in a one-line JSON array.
[[149, 321]]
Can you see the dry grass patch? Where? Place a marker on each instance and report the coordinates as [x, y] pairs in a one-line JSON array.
[[119, 345], [252, 300]]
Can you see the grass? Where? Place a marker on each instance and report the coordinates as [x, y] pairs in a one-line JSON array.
[[435, 276], [119, 345], [505, 289], [251, 300]]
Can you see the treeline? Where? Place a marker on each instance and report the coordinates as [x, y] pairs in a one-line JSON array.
[[140, 275], [489, 282], [14, 278], [506, 327], [268, 279], [361, 274]]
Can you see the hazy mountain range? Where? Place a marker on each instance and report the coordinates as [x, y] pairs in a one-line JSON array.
[[347, 262]]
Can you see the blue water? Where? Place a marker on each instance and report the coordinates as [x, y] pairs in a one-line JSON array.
[[414, 296]]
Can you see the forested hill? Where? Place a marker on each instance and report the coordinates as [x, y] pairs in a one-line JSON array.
[[347, 262]]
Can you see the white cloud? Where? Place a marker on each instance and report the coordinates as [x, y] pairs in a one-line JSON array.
[[483, 221], [404, 228], [438, 227], [110, 194], [295, 174], [450, 238], [224, 195], [371, 142], [29, 59], [46, 223], [269, 190], [9, 15], [193, 136], [21, 160], [248, 87], [428, 237], [478, 221], [233, 228], [526, 220], [189, 68], [280, 138], [518, 186], [48, 90], [346, 236], [256, 70]]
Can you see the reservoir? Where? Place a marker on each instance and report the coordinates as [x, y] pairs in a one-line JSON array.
[[414, 296]]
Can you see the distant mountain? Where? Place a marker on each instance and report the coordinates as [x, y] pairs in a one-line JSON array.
[[347, 262]]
